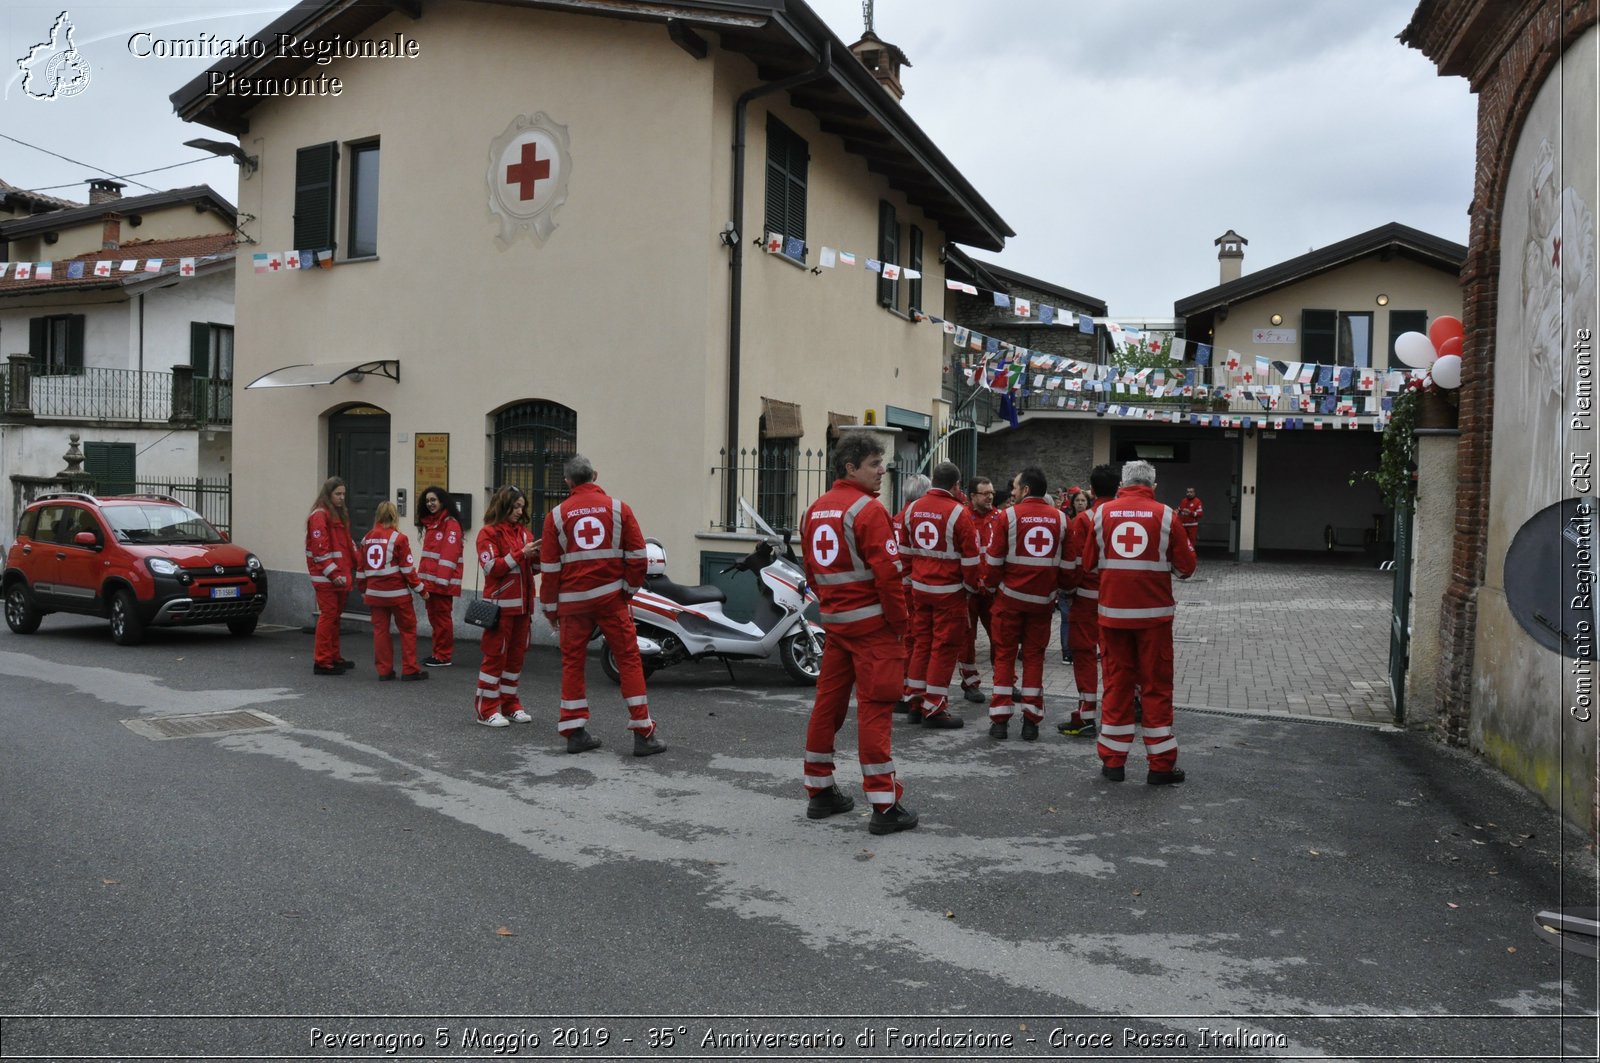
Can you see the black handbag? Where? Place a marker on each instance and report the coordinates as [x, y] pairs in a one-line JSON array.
[[483, 613]]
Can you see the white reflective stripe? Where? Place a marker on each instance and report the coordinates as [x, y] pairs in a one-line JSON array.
[[1137, 566], [592, 555], [318, 558], [1085, 592], [916, 684], [851, 616], [971, 562], [570, 725], [1161, 747], [1037, 599], [1069, 563], [616, 525], [1089, 699], [1028, 692], [818, 758], [964, 664], [320, 579], [403, 592], [646, 725], [1166, 536], [511, 563], [388, 570], [1137, 614], [640, 700], [431, 553], [832, 579], [596, 592], [508, 688], [550, 566], [445, 564], [849, 524], [580, 703], [885, 798], [937, 555], [1112, 743], [1033, 562], [510, 675], [1118, 729], [485, 677], [886, 768], [561, 526], [1156, 732], [938, 691], [939, 588], [950, 533], [634, 555]]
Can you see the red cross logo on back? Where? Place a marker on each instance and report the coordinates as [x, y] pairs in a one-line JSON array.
[[1039, 542], [825, 546], [1130, 540], [588, 533], [927, 535], [529, 171]]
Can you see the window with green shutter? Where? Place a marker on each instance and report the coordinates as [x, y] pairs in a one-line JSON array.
[[888, 251], [55, 344], [914, 261], [112, 465], [316, 170], [788, 161]]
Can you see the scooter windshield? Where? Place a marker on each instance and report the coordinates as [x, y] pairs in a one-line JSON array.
[[757, 523]]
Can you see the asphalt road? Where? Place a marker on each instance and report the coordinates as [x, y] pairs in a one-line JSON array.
[[375, 869]]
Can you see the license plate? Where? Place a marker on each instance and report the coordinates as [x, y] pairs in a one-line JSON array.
[[224, 592]]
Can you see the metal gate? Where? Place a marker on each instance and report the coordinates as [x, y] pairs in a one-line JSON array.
[[532, 441], [1400, 614]]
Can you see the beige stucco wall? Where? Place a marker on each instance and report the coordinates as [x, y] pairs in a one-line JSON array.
[[165, 223], [1522, 692], [1432, 543], [620, 315]]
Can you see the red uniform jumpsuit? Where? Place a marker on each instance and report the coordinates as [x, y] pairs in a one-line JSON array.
[[508, 581], [1189, 513], [915, 685], [387, 577], [944, 574], [330, 558], [851, 561], [440, 568], [1135, 551], [593, 561], [1025, 564], [1083, 622], [978, 606]]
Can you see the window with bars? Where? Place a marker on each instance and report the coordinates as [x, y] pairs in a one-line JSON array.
[[788, 161], [532, 441], [778, 463]]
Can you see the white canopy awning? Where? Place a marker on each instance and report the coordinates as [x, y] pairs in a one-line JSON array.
[[309, 376]]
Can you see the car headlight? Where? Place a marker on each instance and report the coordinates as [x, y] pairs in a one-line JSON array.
[[253, 563], [162, 566]]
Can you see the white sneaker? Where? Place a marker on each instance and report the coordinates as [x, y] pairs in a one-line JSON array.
[[496, 720], [521, 716]]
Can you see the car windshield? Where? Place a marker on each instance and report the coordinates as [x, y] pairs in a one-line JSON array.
[[160, 524]]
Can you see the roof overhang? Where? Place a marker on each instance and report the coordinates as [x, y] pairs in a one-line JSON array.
[[310, 376]]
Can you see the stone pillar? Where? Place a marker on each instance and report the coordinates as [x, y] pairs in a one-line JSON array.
[[1433, 541], [182, 395], [1248, 464], [19, 397]]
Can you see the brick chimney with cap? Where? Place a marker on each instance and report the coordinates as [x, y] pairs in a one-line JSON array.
[[1230, 254], [879, 56], [105, 190]]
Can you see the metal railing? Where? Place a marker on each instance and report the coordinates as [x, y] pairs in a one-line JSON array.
[[212, 497], [213, 401], [99, 394], [782, 481]]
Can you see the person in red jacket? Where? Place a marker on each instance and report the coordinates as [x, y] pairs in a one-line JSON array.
[[593, 561], [1136, 547], [439, 565], [506, 552], [387, 575], [852, 561], [983, 516], [1024, 564], [913, 488], [330, 558], [944, 574], [1189, 513], [1083, 624]]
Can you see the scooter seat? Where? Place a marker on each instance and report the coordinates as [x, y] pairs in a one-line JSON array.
[[677, 592]]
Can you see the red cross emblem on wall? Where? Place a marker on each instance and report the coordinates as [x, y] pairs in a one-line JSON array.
[[1130, 540], [529, 171], [588, 533]]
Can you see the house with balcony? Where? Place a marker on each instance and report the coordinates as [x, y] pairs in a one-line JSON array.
[[116, 326], [639, 231]]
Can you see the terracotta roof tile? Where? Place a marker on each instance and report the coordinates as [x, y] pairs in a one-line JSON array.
[[213, 245]]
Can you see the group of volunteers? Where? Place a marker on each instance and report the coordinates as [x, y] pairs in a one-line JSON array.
[[900, 598], [591, 557]]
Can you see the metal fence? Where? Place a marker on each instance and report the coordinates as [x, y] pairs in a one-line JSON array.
[[103, 394], [782, 481], [213, 401], [212, 498]]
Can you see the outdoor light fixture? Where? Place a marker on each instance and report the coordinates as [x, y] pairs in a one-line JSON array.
[[248, 163], [1276, 319], [1383, 300], [729, 235]]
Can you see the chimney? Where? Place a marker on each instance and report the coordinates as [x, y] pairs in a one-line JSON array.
[[1230, 255], [110, 231], [884, 60], [103, 189]]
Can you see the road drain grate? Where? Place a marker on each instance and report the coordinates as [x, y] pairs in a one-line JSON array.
[[201, 725]]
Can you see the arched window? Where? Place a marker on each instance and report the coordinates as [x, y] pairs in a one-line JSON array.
[[532, 440]]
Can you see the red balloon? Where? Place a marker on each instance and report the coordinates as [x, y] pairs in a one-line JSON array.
[[1451, 346], [1445, 328]]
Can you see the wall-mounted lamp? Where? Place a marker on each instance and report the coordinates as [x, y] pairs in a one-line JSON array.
[[247, 163], [1276, 319], [729, 235], [1383, 300]]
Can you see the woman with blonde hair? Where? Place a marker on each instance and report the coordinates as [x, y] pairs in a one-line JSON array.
[[330, 558], [508, 554], [387, 576]]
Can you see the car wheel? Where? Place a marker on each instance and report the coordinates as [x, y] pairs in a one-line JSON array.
[[244, 626], [126, 627], [22, 616], [801, 658]]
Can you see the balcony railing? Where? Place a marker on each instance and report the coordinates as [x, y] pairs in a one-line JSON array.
[[97, 394]]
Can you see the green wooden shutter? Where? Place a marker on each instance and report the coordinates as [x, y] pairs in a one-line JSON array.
[[788, 163], [914, 261], [316, 170], [888, 248], [200, 348], [112, 465], [38, 341], [799, 168], [75, 330]]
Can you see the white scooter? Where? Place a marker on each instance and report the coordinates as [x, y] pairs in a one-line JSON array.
[[677, 623]]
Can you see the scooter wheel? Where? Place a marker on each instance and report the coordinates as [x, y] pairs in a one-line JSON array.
[[798, 660], [608, 665]]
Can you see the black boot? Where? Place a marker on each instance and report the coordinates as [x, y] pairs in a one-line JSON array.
[[999, 730], [1116, 774], [647, 745], [944, 721], [829, 802], [1166, 778], [581, 741], [896, 817], [1030, 731]]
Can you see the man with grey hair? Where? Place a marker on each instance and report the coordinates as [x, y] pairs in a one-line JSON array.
[[1136, 546], [592, 557], [912, 488]]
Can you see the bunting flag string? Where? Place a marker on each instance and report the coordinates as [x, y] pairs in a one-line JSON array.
[[78, 268]]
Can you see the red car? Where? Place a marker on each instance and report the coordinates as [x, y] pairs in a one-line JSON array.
[[140, 560]]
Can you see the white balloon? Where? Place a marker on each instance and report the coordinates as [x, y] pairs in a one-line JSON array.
[[1447, 372], [1415, 349]]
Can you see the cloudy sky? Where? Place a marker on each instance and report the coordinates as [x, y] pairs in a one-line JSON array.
[[1118, 139]]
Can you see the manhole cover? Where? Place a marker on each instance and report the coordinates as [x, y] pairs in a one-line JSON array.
[[201, 725]]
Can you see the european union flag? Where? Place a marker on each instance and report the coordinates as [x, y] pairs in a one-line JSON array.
[[991, 345], [1047, 315], [1008, 409], [75, 270], [1202, 354], [794, 247], [1002, 299], [1086, 324]]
